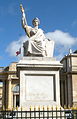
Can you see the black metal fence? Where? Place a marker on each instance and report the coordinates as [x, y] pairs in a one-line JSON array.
[[41, 114]]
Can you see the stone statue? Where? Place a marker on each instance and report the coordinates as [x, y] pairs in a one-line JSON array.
[[37, 43]]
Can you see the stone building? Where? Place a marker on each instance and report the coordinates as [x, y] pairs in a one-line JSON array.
[[68, 80], [1, 87], [10, 90]]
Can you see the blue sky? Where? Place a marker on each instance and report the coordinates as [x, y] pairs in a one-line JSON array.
[[58, 20]]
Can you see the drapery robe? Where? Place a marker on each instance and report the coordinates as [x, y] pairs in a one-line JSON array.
[[36, 45]]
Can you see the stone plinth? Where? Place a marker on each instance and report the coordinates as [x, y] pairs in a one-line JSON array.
[[39, 81]]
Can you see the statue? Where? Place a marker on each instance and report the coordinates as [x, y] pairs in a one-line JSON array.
[[37, 43]]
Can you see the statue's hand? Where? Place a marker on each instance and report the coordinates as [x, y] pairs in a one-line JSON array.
[[22, 9]]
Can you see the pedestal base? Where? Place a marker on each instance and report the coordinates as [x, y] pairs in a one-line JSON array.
[[39, 81]]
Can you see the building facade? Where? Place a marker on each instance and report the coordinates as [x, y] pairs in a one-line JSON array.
[[10, 90], [9, 86], [1, 87], [68, 80]]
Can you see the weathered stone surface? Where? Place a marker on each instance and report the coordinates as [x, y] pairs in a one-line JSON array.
[[39, 81]]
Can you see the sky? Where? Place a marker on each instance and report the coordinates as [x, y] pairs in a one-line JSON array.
[[58, 19]]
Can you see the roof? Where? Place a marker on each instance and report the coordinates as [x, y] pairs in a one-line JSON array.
[[75, 51]]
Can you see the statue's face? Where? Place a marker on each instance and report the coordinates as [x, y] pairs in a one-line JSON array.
[[35, 23]]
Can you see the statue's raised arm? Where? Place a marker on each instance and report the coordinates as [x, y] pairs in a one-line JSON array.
[[24, 21]]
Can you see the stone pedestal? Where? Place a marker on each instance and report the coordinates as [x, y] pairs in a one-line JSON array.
[[39, 81]]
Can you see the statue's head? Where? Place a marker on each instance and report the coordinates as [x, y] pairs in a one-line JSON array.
[[35, 21]]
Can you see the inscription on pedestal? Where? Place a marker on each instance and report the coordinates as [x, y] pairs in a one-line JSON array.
[[39, 87]]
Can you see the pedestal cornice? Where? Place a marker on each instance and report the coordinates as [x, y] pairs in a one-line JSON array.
[[39, 62]]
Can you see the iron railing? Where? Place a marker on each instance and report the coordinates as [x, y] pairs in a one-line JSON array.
[[40, 114]]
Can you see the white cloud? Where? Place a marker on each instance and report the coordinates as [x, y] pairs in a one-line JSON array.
[[63, 41], [15, 46], [61, 38]]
